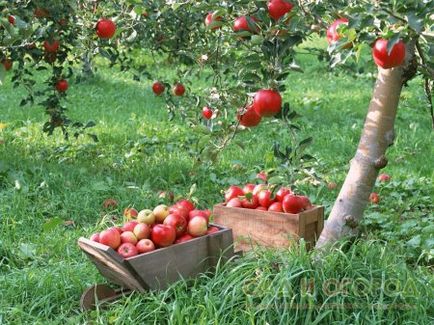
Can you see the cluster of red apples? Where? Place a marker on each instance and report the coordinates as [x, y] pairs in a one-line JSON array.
[[261, 197], [382, 57], [147, 230], [158, 88], [279, 8], [268, 102], [105, 29]]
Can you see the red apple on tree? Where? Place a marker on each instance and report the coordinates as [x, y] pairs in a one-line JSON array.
[[267, 102], [249, 118], [62, 86], [178, 222], [110, 237], [207, 113], [7, 63], [142, 231], [279, 8], [105, 28], [127, 250], [158, 88], [145, 245], [179, 89], [332, 32], [41, 13], [213, 21], [197, 226], [163, 235], [51, 46], [128, 237], [11, 20], [63, 22], [387, 60], [245, 24]]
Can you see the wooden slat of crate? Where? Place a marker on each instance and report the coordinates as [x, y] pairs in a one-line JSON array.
[[270, 229], [111, 265], [160, 268]]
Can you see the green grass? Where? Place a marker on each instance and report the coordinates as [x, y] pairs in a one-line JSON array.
[[46, 179]]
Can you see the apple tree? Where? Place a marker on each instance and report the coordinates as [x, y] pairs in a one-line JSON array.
[[400, 34], [244, 50]]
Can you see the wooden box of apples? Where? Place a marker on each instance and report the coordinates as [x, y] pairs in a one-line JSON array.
[[257, 217], [158, 247]]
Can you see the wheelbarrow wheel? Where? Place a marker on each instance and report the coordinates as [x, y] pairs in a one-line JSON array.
[[98, 294]]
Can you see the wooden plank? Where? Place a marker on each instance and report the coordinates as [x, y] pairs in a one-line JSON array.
[[301, 227], [320, 223], [310, 234], [220, 245], [311, 216], [111, 265], [159, 268], [270, 229]]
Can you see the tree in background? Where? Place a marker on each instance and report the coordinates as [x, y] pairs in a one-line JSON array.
[[246, 49]]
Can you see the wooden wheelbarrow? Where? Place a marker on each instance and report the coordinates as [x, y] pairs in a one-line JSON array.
[[155, 270]]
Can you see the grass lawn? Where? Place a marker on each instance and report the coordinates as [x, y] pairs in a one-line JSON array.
[[46, 179]]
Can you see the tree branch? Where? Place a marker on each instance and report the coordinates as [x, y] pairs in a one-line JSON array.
[[427, 87]]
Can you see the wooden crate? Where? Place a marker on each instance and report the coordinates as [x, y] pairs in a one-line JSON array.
[[159, 268], [270, 229]]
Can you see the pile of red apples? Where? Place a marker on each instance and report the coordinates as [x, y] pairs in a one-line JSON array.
[[262, 197], [147, 230]]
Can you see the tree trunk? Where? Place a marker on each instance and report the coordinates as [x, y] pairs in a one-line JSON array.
[[377, 136]]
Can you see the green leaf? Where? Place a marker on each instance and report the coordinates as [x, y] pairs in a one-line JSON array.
[[415, 22], [99, 187], [27, 250], [305, 142], [414, 242], [52, 224], [276, 180], [391, 43], [193, 189]]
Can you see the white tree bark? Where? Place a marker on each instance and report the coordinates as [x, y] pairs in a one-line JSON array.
[[377, 136]]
